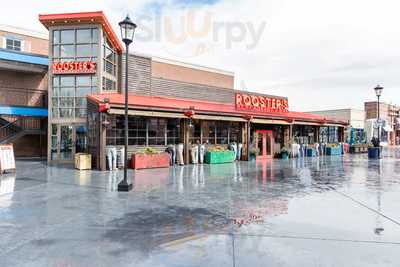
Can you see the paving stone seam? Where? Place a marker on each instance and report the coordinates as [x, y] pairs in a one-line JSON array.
[[366, 206]]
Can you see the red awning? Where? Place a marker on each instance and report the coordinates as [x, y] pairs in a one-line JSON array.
[[174, 104]]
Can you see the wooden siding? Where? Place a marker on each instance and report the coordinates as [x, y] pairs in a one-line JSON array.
[[176, 89], [139, 80]]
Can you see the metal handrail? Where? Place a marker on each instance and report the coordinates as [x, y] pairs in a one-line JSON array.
[[10, 123]]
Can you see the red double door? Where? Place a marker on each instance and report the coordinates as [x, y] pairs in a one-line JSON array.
[[264, 140]]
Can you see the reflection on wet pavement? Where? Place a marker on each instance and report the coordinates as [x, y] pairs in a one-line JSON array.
[[328, 211]]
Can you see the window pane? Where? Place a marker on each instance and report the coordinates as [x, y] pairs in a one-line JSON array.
[[83, 91], [80, 101], [94, 50], [83, 50], [54, 101], [95, 35], [80, 113], [68, 36], [67, 51], [66, 102], [56, 81], [56, 51], [108, 54], [94, 80], [55, 113], [56, 37], [66, 112], [9, 42], [108, 84], [109, 67], [83, 36], [83, 80], [67, 81], [67, 91]]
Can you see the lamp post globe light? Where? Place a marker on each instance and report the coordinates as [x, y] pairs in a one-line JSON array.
[[378, 91], [127, 32]]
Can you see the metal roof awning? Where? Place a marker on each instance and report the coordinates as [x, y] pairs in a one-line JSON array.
[[23, 57], [23, 111]]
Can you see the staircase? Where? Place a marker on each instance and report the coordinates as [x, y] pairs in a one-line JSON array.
[[14, 127]]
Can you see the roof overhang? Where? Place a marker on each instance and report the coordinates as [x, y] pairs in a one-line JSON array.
[[95, 17], [162, 104], [23, 111]]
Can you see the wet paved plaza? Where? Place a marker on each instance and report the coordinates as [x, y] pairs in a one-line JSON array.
[[328, 211]]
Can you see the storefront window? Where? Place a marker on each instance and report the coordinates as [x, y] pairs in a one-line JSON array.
[[222, 130], [156, 128], [173, 131], [304, 134], [75, 44], [69, 95], [323, 134], [333, 135], [208, 132], [144, 131], [235, 133]]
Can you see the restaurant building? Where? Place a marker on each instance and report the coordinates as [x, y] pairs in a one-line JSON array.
[[170, 102]]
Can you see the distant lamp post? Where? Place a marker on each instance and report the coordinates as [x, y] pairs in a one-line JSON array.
[[378, 92], [127, 33]]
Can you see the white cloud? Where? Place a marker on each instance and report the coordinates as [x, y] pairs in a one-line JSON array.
[[321, 54]]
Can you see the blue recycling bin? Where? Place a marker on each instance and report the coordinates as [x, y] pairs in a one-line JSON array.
[[374, 152]]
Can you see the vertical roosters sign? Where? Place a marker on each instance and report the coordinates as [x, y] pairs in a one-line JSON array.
[[261, 103]]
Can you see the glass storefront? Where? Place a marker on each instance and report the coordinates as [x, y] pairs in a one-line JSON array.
[[144, 131]]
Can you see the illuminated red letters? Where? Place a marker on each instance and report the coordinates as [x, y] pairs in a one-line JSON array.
[[261, 103], [74, 67]]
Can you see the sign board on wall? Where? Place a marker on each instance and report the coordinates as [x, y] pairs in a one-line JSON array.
[[74, 67], [7, 159], [261, 103]]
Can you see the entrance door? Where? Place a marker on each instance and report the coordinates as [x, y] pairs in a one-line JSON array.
[[264, 143], [66, 140]]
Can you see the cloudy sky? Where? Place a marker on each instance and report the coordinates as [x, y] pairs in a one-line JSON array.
[[320, 54]]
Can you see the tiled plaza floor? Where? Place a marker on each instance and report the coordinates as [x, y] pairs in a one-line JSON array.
[[328, 211]]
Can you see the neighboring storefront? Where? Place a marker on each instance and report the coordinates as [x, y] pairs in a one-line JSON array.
[[23, 91], [170, 102]]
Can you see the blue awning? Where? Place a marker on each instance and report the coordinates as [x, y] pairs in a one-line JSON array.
[[23, 111], [22, 57]]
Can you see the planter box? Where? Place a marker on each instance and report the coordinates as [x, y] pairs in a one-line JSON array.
[[333, 151], [359, 148], [311, 152], [149, 161], [217, 157], [374, 152], [83, 161]]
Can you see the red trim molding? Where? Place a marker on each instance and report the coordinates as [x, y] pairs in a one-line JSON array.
[[95, 17]]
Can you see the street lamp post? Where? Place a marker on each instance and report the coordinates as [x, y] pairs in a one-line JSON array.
[[378, 92], [127, 33]]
